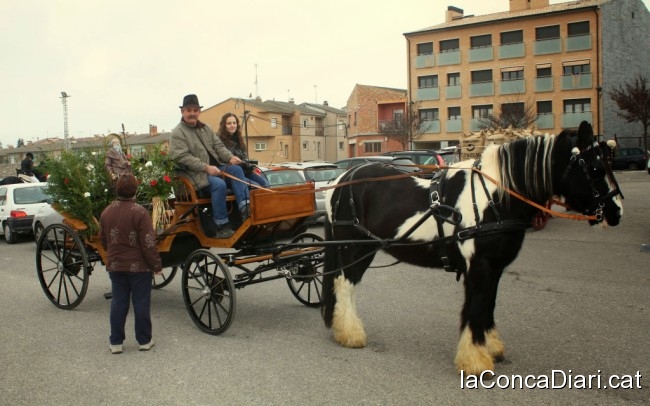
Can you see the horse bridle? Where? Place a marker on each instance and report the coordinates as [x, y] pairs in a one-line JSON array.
[[596, 208]]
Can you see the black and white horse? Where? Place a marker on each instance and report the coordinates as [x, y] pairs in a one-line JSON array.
[[465, 221]]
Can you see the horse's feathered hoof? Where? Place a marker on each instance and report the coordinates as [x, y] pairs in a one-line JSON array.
[[346, 325], [471, 358]]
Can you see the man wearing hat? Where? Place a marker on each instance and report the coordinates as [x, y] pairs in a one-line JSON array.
[[200, 154]]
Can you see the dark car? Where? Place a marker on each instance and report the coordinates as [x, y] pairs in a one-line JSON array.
[[404, 164], [631, 158], [419, 156]]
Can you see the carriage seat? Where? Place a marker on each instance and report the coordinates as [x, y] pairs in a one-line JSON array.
[[188, 193]]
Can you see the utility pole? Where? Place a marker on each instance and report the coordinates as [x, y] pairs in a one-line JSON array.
[[64, 98]]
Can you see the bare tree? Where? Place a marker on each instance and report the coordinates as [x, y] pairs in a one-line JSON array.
[[404, 127], [20, 143], [633, 99], [513, 113]]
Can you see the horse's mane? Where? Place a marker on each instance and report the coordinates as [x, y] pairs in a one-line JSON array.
[[525, 166]]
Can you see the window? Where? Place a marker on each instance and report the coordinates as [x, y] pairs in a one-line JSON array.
[[550, 32], [484, 111], [512, 73], [425, 48], [341, 146], [544, 71], [305, 146], [304, 123], [481, 41], [512, 37], [577, 106], [453, 113], [260, 146], [453, 79], [427, 81], [274, 122], [512, 109], [580, 28], [479, 76], [371, 147], [398, 116], [544, 107], [575, 67], [449, 45], [429, 115]]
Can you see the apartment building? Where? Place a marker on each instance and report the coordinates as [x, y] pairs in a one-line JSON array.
[[277, 131], [560, 60], [368, 109]]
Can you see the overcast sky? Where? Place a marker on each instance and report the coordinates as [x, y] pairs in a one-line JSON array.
[[131, 62]]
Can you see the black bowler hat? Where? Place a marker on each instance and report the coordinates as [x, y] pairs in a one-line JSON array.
[[191, 100]]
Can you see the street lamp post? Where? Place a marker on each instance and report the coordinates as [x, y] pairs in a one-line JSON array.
[[64, 98], [599, 92]]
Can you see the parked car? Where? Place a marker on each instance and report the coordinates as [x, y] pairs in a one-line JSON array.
[[44, 217], [419, 156], [648, 166], [629, 158], [450, 155], [320, 173], [404, 164], [18, 204]]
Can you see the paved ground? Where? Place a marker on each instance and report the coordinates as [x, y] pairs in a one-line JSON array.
[[576, 300]]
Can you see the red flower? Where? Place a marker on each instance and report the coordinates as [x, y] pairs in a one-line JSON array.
[[167, 179], [66, 181], [153, 183], [128, 156], [163, 152]]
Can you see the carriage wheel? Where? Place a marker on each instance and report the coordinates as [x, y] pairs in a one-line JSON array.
[[165, 278], [62, 266], [208, 292], [307, 283]]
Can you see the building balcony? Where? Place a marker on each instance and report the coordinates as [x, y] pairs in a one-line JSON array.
[[481, 54], [481, 89], [428, 93], [287, 130], [455, 125], [581, 81], [431, 126], [477, 124], [512, 87], [578, 43], [548, 46], [517, 50], [453, 92], [573, 120], [449, 58], [545, 121], [544, 84], [425, 61]]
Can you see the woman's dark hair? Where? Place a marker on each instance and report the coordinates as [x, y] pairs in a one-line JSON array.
[[29, 154], [126, 186], [225, 136]]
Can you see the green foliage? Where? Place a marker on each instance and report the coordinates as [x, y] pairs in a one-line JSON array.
[[155, 174], [80, 186]]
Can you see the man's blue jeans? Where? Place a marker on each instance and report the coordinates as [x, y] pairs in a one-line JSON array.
[[134, 287]]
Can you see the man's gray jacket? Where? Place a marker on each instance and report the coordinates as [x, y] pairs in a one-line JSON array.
[[191, 155]]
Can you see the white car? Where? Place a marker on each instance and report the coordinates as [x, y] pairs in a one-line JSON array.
[[18, 205], [44, 217], [320, 173]]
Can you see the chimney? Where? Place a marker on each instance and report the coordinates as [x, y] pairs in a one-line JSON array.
[[291, 101], [153, 130], [520, 5], [325, 103], [454, 13]]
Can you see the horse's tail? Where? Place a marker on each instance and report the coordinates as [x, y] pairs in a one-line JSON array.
[[329, 266]]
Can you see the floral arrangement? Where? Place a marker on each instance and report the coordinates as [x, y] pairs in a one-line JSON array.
[[154, 173], [80, 186]]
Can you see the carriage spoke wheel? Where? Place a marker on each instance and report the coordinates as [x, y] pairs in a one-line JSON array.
[[306, 283], [62, 266], [160, 281], [208, 292]]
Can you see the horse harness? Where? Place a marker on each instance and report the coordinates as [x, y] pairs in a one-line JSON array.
[[442, 214]]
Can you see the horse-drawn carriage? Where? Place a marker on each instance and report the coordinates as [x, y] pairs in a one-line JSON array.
[[66, 254]]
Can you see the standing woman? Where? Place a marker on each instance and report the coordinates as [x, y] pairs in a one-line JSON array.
[[230, 135], [129, 239]]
